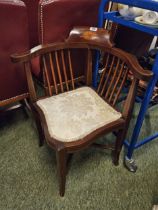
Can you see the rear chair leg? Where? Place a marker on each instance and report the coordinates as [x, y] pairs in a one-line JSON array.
[[38, 126], [118, 146], [25, 107], [40, 130]]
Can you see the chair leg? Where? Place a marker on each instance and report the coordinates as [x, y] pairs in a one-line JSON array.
[[61, 157], [38, 126], [24, 107], [118, 146], [40, 130]]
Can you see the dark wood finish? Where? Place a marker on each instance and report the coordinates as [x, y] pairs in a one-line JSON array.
[[39, 126], [112, 79], [19, 105], [31, 87], [6, 109], [61, 156], [104, 146], [64, 68], [95, 35], [58, 68], [14, 99]]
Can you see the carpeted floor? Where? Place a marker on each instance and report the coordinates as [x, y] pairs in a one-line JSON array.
[[28, 177]]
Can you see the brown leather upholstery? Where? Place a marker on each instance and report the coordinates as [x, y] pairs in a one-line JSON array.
[[32, 9], [60, 16], [57, 18], [13, 38], [93, 34]]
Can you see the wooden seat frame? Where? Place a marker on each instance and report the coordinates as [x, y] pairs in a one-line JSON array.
[[109, 89]]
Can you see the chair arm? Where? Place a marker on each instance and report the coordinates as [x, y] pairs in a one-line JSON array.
[[26, 56], [137, 70]]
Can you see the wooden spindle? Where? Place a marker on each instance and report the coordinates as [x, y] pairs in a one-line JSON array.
[[71, 71], [103, 74], [47, 77], [59, 72], [108, 76], [112, 82], [117, 81], [53, 73], [121, 86], [64, 69], [89, 68]]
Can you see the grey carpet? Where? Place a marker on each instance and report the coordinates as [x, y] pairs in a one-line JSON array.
[[28, 177]]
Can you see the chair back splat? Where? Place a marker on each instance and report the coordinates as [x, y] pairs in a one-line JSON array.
[[58, 70], [113, 78]]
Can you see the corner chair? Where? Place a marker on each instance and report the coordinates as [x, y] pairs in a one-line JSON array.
[[72, 115]]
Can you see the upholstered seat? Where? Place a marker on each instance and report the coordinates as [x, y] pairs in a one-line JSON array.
[[72, 115]]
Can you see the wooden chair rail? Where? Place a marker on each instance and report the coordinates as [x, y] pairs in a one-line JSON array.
[[132, 62]]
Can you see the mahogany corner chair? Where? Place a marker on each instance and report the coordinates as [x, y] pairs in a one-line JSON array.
[[72, 115]]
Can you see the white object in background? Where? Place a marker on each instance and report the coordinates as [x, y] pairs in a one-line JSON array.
[[109, 9], [155, 207], [129, 12], [153, 44], [150, 17], [141, 21]]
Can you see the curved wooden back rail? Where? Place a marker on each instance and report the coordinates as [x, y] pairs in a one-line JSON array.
[[58, 68]]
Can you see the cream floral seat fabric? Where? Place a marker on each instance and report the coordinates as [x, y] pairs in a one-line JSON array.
[[72, 115]]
